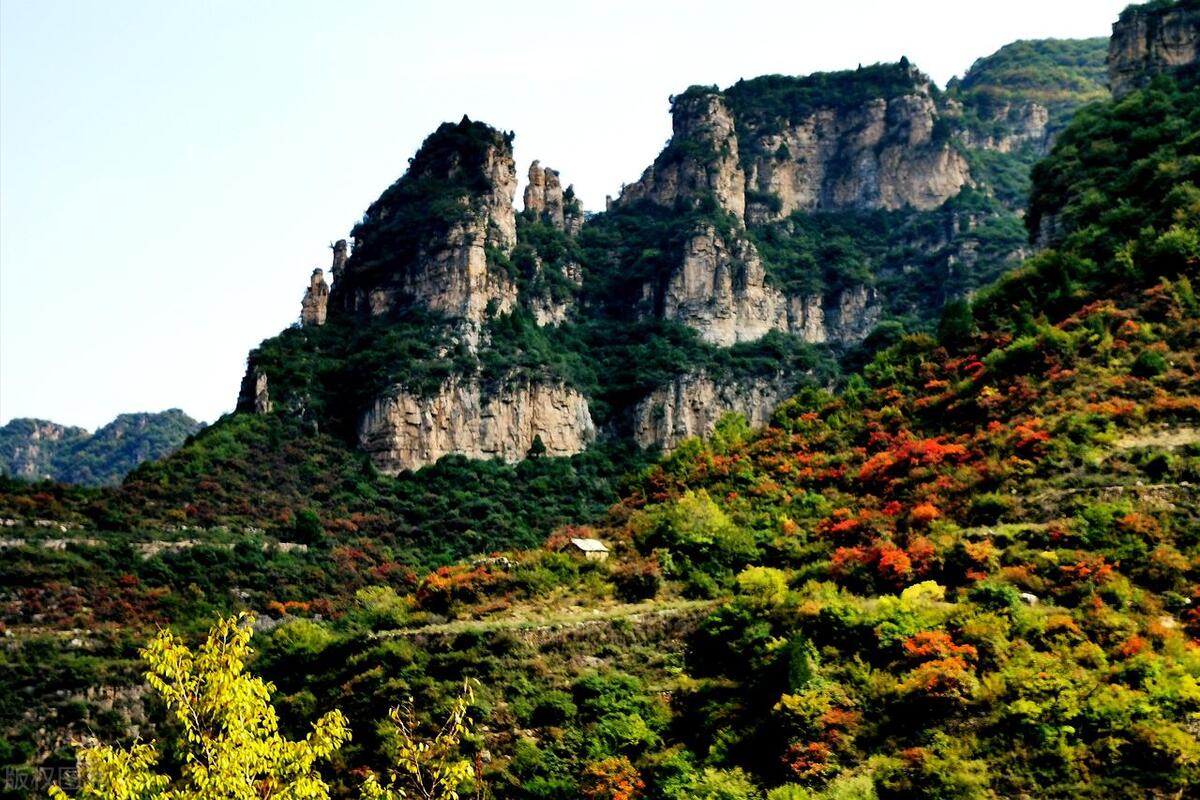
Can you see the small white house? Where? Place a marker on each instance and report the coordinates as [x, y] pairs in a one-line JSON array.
[[591, 549]]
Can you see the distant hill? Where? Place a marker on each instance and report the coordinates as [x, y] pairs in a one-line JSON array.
[[36, 448]]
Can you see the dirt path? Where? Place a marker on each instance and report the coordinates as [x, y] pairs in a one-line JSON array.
[[568, 617]]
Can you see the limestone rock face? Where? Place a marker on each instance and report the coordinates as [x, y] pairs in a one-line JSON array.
[[692, 404], [1147, 42], [547, 201], [501, 172], [720, 290], [314, 306], [28, 449], [455, 279], [425, 240], [341, 254], [405, 431], [854, 313], [549, 308], [1019, 124], [544, 194], [881, 154], [702, 158], [255, 394]]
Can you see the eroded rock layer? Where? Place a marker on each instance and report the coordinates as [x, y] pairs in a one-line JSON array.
[[1148, 41], [691, 405], [407, 431]]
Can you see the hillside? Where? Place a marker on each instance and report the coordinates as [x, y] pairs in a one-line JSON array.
[[36, 449], [719, 282], [948, 548]]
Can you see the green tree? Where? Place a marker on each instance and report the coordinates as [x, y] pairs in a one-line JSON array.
[[428, 769], [308, 528], [230, 742]]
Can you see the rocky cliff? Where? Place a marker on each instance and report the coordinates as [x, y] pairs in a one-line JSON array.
[[1018, 98], [1152, 39], [428, 239], [720, 290], [701, 159], [406, 431], [1007, 127], [768, 147], [28, 446], [808, 208], [692, 404]]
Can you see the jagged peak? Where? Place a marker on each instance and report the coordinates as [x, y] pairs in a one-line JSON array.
[[459, 150], [426, 238], [547, 201]]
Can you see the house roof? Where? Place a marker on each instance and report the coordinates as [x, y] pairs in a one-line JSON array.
[[590, 545]]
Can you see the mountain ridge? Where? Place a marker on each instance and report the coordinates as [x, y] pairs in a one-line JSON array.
[[38, 449], [726, 242]]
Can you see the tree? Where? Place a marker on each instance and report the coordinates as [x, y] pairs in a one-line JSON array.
[[428, 769], [537, 448], [230, 744], [611, 779], [308, 527]]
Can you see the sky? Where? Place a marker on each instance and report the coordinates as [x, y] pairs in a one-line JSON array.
[[171, 172]]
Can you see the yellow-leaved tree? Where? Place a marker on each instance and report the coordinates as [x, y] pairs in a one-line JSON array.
[[425, 768], [231, 747]]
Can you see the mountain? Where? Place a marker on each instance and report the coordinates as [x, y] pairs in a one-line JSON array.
[[35, 449], [963, 564], [460, 336], [786, 220], [791, 227]]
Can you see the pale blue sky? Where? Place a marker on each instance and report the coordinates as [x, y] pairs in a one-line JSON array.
[[171, 172]]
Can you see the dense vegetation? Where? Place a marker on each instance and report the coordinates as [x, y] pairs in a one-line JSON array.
[[971, 572], [441, 189], [103, 458], [1060, 74], [250, 474], [917, 259], [761, 105]]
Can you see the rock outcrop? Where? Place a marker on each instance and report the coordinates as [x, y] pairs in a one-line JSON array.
[[880, 153], [761, 160], [314, 306], [1148, 41], [546, 200], [692, 404], [549, 302], [255, 394], [720, 290], [551, 290], [702, 157], [1012, 127], [426, 240], [406, 431], [706, 238], [341, 254]]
